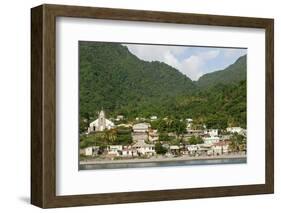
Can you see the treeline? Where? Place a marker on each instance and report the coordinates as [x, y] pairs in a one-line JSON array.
[[110, 77], [218, 107]]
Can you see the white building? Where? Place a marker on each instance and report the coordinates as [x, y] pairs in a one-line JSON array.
[[200, 149], [211, 132], [238, 130], [125, 125], [220, 148], [144, 148], [115, 150], [141, 127], [119, 118], [192, 149], [211, 140], [153, 135], [174, 149], [153, 118], [127, 151], [90, 151], [188, 123], [140, 136], [196, 132], [140, 132], [100, 124], [189, 120]]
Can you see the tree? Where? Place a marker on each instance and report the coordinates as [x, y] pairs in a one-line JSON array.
[[164, 137], [96, 139], [155, 124], [195, 140], [179, 127], [124, 136], [162, 126], [238, 142], [83, 125], [159, 149], [124, 139], [217, 121], [111, 135]]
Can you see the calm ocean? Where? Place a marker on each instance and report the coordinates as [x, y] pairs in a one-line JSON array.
[[163, 164]]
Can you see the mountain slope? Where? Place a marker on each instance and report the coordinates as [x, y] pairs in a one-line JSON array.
[[230, 75], [218, 107], [111, 78]]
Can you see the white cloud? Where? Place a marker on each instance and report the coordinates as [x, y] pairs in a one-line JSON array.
[[232, 53], [192, 67], [170, 59], [208, 55], [175, 56], [153, 52]]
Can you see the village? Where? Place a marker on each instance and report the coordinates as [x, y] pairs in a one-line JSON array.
[[153, 138]]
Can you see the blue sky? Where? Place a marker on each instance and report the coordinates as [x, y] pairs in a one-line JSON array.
[[191, 61]]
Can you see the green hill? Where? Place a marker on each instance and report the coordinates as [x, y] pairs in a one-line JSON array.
[[111, 78], [234, 73]]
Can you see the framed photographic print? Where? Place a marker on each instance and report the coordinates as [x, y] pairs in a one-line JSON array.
[[137, 106], [136, 110]]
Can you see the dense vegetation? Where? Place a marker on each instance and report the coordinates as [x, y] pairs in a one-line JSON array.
[[195, 140], [114, 79], [232, 74], [120, 136]]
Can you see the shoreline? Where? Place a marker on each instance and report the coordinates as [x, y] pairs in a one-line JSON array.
[[160, 160]]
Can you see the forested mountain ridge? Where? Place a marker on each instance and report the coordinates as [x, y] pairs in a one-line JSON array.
[[112, 78], [234, 73]]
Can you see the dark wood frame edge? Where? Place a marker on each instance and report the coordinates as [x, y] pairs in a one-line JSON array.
[[43, 104]]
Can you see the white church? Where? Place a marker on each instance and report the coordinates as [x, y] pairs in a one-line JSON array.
[[100, 124]]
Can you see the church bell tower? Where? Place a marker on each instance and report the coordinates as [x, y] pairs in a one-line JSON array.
[[101, 121]]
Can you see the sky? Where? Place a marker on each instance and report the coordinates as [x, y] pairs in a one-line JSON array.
[[191, 61]]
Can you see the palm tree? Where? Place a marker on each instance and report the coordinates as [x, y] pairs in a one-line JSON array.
[[238, 142], [110, 135], [234, 146], [169, 123]]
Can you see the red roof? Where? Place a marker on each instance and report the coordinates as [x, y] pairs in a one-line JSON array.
[[221, 143]]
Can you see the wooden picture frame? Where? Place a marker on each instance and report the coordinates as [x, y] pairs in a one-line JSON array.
[[43, 105]]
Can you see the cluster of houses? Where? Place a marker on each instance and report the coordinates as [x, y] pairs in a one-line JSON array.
[[144, 140]]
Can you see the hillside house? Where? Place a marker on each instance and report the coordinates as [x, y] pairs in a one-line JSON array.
[[195, 132], [143, 148], [114, 150], [140, 132], [153, 135], [90, 151], [188, 123], [192, 149], [238, 130], [211, 132], [128, 151], [153, 118], [211, 139], [141, 127], [220, 148], [174, 149]]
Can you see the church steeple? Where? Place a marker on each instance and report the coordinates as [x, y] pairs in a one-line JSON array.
[[101, 121]]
